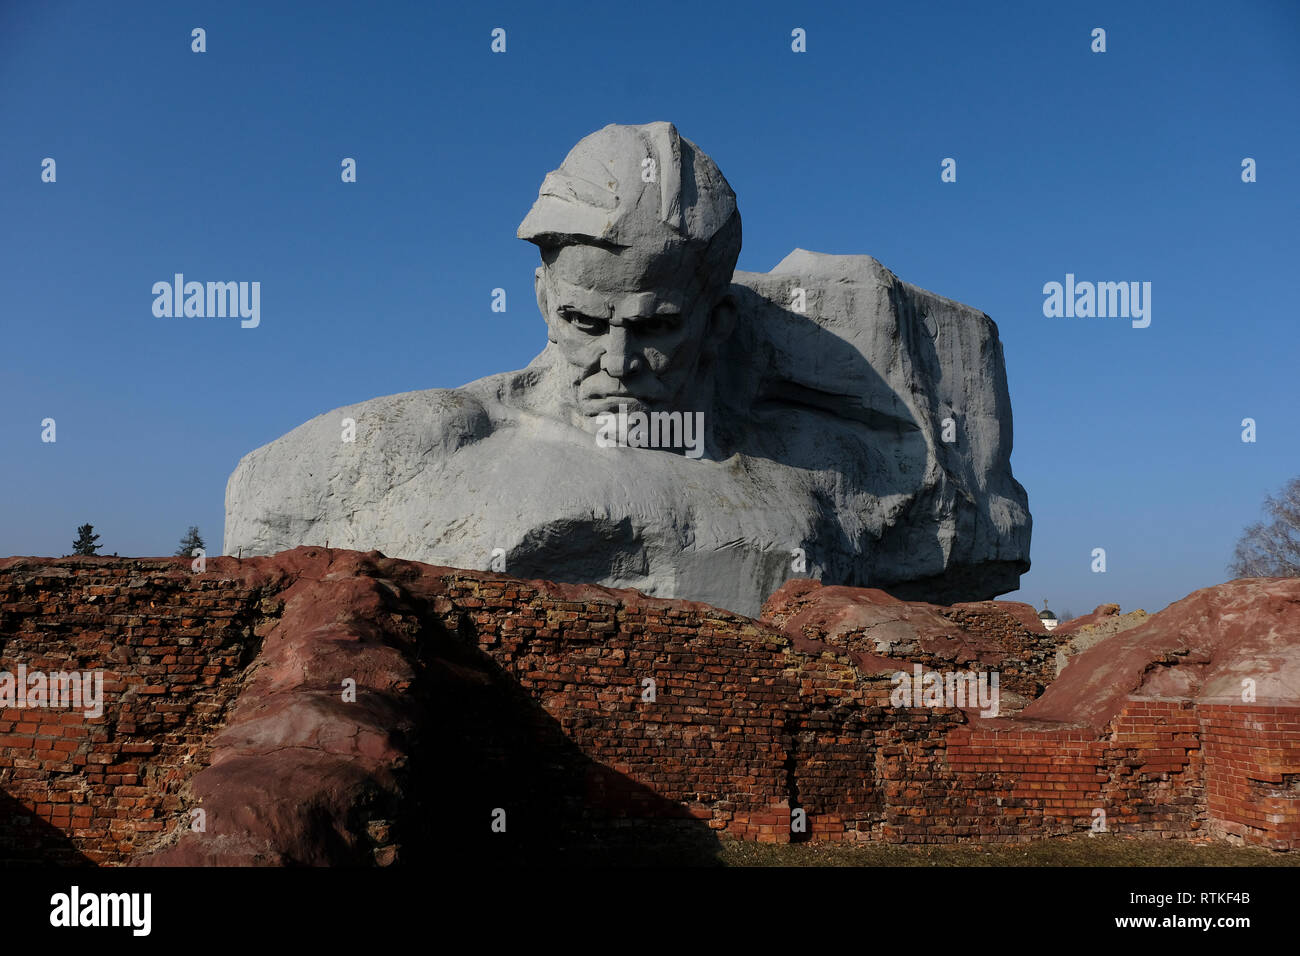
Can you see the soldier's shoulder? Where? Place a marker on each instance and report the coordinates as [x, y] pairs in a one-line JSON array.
[[409, 422]]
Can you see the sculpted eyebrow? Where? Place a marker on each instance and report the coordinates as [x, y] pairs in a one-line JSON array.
[[670, 318], [572, 311]]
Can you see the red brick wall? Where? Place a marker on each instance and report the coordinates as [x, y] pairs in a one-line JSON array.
[[1011, 783], [171, 650], [1252, 762], [744, 728], [712, 739]]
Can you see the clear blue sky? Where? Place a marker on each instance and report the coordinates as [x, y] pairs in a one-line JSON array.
[[225, 165]]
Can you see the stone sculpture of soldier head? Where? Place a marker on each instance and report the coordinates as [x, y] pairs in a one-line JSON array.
[[639, 235]]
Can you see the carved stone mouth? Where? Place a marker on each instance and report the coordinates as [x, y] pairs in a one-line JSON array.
[[613, 399]]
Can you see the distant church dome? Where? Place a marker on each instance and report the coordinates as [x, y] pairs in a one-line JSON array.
[[1047, 617]]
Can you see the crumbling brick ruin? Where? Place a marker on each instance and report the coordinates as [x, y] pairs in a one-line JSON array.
[[587, 715]]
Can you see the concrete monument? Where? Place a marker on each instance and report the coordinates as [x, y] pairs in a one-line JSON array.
[[688, 430]]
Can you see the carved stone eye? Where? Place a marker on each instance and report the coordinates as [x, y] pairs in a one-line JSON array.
[[658, 325], [584, 323]]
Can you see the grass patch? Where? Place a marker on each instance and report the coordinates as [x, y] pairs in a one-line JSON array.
[[1081, 850]]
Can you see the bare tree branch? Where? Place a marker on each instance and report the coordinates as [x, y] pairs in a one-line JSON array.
[[1272, 550]]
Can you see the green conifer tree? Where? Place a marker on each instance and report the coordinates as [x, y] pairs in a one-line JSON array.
[[190, 542], [86, 538]]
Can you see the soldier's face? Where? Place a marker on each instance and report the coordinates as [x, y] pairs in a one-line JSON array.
[[632, 327]]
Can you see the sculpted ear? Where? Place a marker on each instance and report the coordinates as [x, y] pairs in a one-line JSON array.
[[539, 288], [722, 322]]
